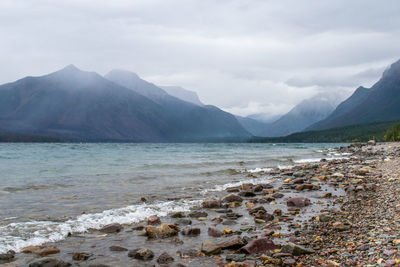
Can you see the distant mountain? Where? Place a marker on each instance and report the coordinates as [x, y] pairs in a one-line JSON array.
[[300, 117], [183, 94], [198, 120], [380, 103], [84, 106], [264, 117], [255, 127]]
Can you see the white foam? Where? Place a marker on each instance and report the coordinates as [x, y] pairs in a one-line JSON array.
[[260, 170], [219, 188], [283, 167], [307, 160], [16, 236]]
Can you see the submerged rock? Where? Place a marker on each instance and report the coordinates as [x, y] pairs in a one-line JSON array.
[[211, 204], [141, 254], [232, 198], [153, 220], [81, 256], [112, 228], [165, 258], [41, 251], [190, 231], [214, 232], [118, 248], [210, 248]]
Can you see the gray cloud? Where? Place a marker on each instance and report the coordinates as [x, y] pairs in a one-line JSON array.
[[244, 56]]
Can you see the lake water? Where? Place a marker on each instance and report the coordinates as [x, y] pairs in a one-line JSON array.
[[48, 190]]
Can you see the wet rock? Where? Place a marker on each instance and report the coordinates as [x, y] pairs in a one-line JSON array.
[[247, 194], [258, 188], [236, 257], [233, 189], [278, 212], [214, 232], [112, 228], [232, 242], [232, 198], [41, 251], [298, 202], [339, 226], [190, 231], [6, 257], [81, 256], [324, 218], [211, 204], [304, 187], [210, 248], [183, 222], [49, 262], [178, 214], [289, 262], [118, 248], [299, 174], [141, 254], [258, 246], [164, 231], [138, 228], [296, 250], [198, 214], [277, 195], [165, 258], [189, 253], [153, 220], [298, 181]]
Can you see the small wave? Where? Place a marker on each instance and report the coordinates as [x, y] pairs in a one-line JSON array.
[[16, 236], [282, 167], [219, 188], [256, 170], [307, 160]]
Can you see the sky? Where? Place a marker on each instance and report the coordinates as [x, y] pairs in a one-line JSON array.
[[246, 57]]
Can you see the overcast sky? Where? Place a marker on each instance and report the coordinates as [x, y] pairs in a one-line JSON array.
[[246, 57]]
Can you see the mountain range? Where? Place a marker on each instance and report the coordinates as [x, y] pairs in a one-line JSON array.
[[84, 106], [379, 103]]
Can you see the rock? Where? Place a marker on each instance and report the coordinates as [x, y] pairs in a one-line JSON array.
[[138, 228], [118, 248], [278, 212], [258, 188], [214, 232], [296, 250], [247, 194], [41, 251], [255, 210], [304, 187], [289, 262], [49, 262], [6, 257], [198, 214], [98, 265], [258, 246], [164, 231], [211, 204], [298, 202], [141, 254], [190, 231], [112, 228], [227, 231], [372, 142], [232, 198], [178, 214], [189, 253], [324, 218], [233, 189], [250, 205], [232, 242], [165, 258], [277, 195], [299, 174], [183, 222], [298, 181], [153, 220], [341, 226], [210, 248], [81, 256]]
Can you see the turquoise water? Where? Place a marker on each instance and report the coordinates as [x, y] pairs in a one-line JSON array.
[[46, 185]]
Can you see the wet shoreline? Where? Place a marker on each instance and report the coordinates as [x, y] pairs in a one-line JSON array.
[[275, 213]]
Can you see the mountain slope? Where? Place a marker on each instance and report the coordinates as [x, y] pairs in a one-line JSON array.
[[380, 103], [300, 117], [255, 127], [183, 94], [194, 121], [79, 105]]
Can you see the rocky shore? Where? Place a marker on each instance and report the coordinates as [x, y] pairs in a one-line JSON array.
[[343, 212]]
